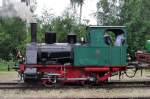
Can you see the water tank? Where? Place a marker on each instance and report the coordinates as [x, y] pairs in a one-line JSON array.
[[71, 38], [50, 37], [147, 45]]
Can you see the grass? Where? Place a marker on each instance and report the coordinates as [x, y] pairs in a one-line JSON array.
[[3, 66], [5, 72]]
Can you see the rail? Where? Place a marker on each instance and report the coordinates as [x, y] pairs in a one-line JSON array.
[[112, 84]]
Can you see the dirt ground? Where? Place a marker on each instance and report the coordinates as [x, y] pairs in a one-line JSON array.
[[10, 76], [74, 93], [138, 76]]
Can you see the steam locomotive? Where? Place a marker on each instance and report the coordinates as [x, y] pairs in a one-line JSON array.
[[93, 61]]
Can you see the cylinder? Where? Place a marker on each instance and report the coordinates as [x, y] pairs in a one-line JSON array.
[[147, 45], [71, 38], [33, 32], [50, 37]]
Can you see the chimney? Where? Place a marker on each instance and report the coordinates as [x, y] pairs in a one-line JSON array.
[[33, 32]]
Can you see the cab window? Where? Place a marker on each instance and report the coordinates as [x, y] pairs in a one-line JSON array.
[[114, 37]]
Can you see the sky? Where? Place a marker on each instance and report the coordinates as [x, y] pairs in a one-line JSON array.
[[58, 6], [0, 3]]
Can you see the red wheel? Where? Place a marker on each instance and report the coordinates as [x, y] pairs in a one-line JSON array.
[[47, 83]]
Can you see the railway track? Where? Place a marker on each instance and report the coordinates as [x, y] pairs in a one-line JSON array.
[[102, 98], [112, 84], [12, 85]]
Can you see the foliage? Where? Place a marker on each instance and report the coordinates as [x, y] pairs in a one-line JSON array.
[[79, 3], [15, 33], [63, 25], [12, 36], [107, 12], [134, 14]]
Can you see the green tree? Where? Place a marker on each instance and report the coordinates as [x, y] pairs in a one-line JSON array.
[[12, 36], [135, 14], [63, 25], [107, 12], [79, 3]]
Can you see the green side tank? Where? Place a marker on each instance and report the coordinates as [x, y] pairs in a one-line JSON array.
[[147, 45]]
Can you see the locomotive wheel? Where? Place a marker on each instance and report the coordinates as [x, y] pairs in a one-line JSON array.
[[101, 75], [94, 82], [47, 84], [28, 80]]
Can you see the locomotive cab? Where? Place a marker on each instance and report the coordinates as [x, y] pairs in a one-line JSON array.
[[97, 52]]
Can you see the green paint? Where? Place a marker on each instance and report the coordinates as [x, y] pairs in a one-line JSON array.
[[97, 52], [147, 45]]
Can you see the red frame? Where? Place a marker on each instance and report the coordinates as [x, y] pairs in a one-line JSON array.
[[75, 71]]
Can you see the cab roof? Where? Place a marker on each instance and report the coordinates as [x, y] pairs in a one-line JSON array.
[[107, 26]]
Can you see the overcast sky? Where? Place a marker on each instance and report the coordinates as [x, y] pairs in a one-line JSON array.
[[59, 6], [0, 3]]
